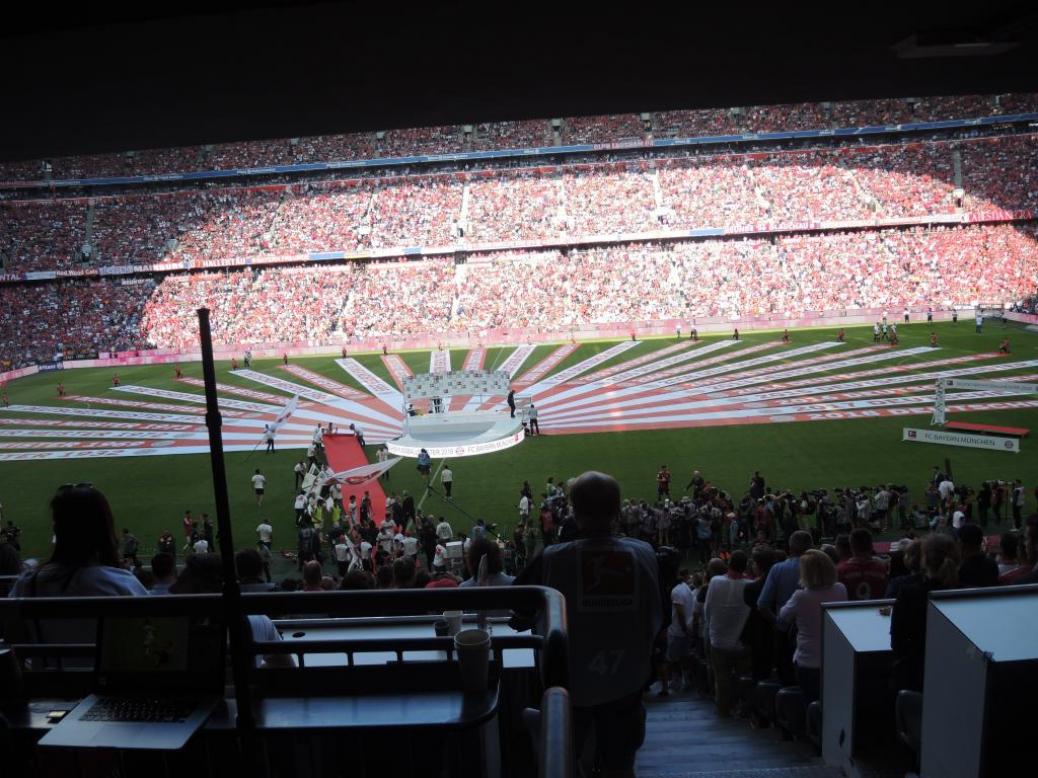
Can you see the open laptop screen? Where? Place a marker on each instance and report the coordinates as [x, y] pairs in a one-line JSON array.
[[141, 653]]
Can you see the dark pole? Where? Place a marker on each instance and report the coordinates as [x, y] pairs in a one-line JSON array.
[[231, 593]]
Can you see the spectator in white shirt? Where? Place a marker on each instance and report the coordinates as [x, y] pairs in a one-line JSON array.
[[679, 632], [724, 615], [259, 484], [444, 532], [342, 555], [447, 479], [439, 562], [524, 509], [265, 532]]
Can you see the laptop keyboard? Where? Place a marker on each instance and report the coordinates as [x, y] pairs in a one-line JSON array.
[[139, 709]]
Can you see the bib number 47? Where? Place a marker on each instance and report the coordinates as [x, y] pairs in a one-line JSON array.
[[606, 662]]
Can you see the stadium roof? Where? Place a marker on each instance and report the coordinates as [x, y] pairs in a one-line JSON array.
[[94, 79]]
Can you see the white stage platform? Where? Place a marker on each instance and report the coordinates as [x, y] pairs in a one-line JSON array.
[[457, 434]]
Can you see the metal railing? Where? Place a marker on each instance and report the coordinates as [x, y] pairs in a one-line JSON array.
[[556, 736], [19, 618]]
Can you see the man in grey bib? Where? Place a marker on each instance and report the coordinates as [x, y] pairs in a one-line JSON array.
[[614, 609]]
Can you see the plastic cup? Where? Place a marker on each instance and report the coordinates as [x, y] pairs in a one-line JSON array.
[[453, 619], [473, 649]]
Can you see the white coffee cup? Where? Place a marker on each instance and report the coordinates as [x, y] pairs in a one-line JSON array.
[[453, 622], [473, 649]]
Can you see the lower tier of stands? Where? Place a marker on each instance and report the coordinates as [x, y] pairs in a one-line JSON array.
[[791, 276]]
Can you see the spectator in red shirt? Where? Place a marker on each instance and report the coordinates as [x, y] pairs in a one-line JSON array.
[[663, 482], [864, 576]]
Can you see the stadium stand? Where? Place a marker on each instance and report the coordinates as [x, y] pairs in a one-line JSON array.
[[40, 321], [493, 136], [576, 201], [785, 276]]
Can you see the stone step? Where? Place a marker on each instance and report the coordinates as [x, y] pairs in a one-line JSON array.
[[684, 737], [768, 772]]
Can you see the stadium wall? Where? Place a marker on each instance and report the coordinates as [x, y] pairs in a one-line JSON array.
[[11, 375], [510, 337]]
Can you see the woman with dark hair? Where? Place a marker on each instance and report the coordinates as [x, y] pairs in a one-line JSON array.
[[85, 561], [484, 563]]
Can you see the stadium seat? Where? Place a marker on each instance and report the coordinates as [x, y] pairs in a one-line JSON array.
[[764, 700], [908, 713], [813, 726], [789, 711], [744, 686]]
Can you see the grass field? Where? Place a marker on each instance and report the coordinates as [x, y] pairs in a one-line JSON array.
[[149, 494]]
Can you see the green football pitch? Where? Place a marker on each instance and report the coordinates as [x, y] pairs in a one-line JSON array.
[[149, 494]]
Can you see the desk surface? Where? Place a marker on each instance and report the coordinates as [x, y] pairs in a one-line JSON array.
[[864, 627], [440, 709], [512, 658], [1005, 627]]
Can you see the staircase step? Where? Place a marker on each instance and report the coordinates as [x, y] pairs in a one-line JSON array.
[[685, 738], [768, 772]]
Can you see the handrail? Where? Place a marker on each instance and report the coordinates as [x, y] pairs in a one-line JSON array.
[[549, 604], [979, 593], [556, 752]]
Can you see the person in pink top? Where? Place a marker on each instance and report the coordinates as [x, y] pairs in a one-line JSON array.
[[818, 585]]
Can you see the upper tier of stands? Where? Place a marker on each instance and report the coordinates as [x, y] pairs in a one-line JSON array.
[[492, 136], [552, 202]]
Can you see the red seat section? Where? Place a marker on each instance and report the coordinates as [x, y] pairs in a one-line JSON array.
[[344, 453]]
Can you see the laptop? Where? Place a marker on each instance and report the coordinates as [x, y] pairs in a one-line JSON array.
[[157, 679]]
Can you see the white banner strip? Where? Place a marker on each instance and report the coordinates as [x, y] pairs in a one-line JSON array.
[[53, 410], [241, 391], [619, 388], [397, 368], [289, 387], [546, 365], [328, 384], [636, 362], [440, 361], [964, 439], [198, 399], [516, 359], [580, 368], [474, 359], [370, 381]]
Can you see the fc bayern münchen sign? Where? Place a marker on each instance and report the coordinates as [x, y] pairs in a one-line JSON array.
[[946, 438]]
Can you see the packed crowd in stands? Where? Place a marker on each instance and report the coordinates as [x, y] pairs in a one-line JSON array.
[[42, 321], [246, 306], [547, 290], [522, 134], [514, 207], [602, 129], [576, 201]]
